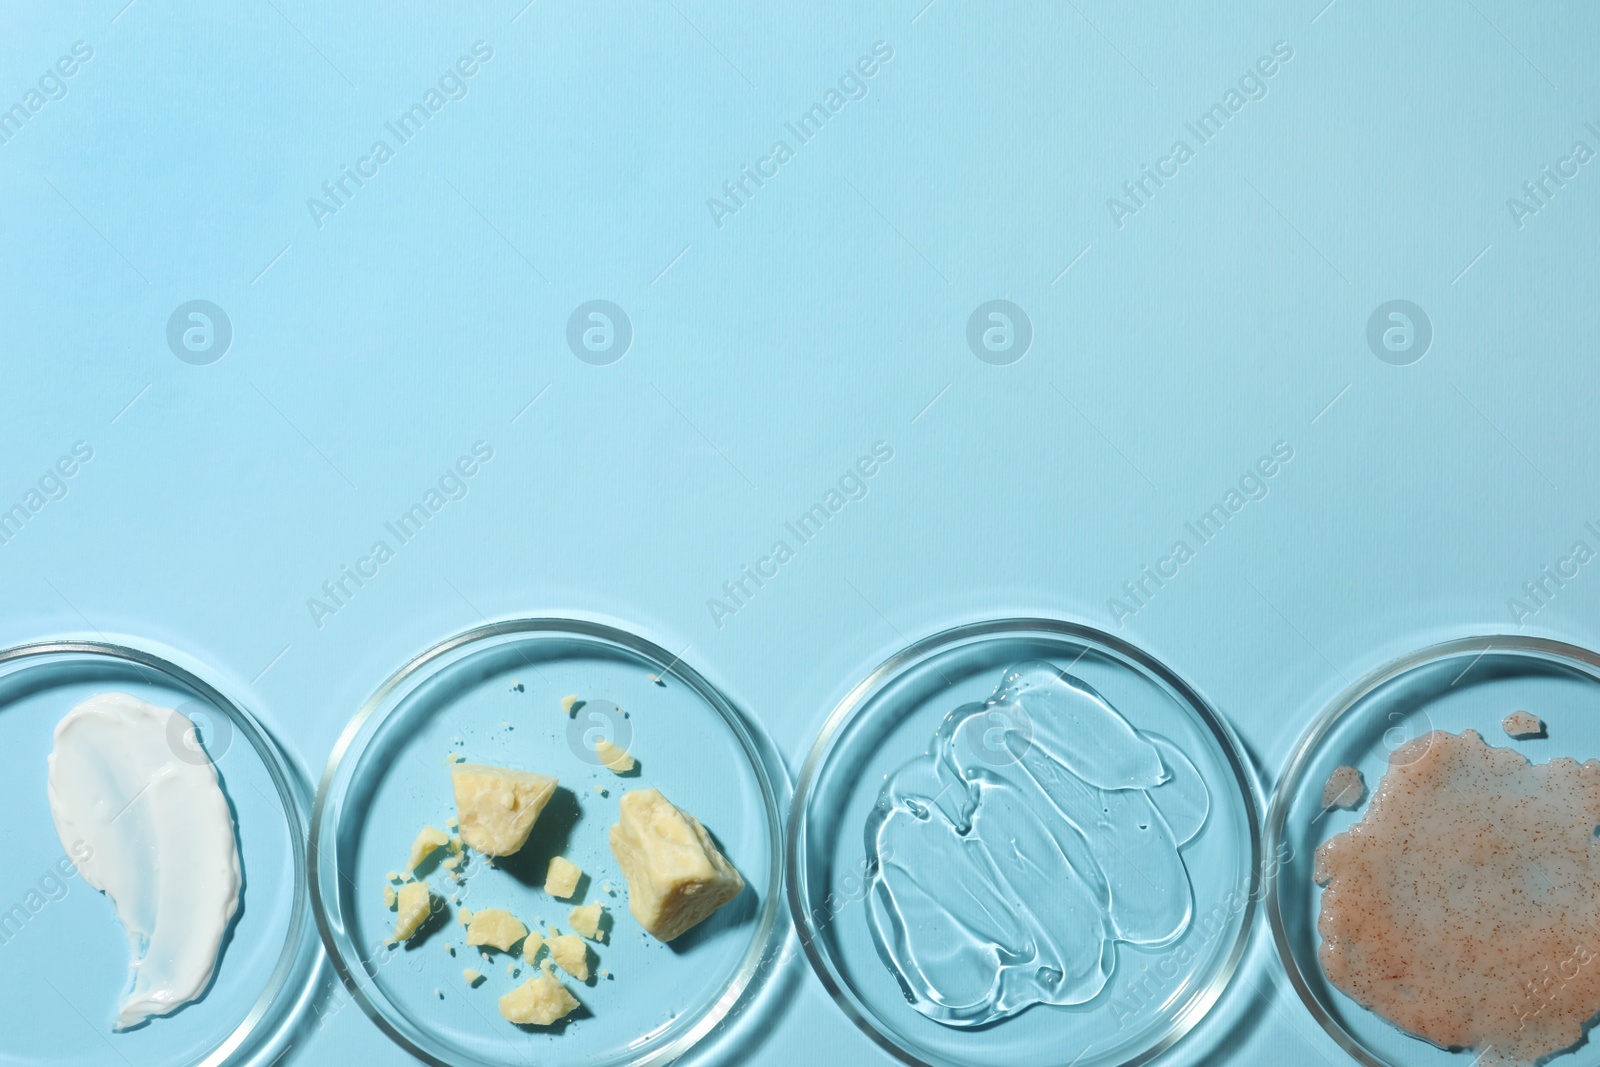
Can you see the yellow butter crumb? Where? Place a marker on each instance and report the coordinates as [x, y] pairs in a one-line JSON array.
[[427, 840], [614, 758], [532, 944], [539, 1001], [586, 920], [497, 806], [676, 875], [414, 904], [496, 928], [561, 880], [571, 955]]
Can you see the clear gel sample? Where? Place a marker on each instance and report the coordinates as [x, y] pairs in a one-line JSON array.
[[1040, 829]]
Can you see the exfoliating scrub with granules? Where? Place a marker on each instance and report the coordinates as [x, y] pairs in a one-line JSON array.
[[1464, 907]]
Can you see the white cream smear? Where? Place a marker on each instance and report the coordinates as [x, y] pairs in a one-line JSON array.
[[139, 801]]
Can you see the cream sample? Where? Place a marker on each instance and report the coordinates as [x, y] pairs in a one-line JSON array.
[[140, 809]]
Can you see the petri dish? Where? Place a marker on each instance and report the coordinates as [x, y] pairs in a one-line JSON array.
[[915, 932], [64, 953], [494, 694], [1465, 683]]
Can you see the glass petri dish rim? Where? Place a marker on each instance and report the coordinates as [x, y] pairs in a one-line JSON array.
[[1289, 782], [822, 747], [769, 769], [283, 779]]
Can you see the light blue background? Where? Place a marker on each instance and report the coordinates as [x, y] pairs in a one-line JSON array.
[[1228, 314]]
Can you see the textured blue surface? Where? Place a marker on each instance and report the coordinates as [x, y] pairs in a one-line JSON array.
[[1176, 340]]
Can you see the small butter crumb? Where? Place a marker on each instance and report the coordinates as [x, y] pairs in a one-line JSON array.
[[388, 897], [538, 1002], [414, 903], [427, 840], [561, 880], [471, 977], [586, 920], [532, 944], [567, 702], [612, 757], [464, 916], [571, 955]]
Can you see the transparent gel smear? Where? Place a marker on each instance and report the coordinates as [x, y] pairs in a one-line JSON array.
[[1040, 829]]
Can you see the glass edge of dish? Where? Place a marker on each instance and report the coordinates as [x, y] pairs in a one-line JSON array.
[[1288, 783], [292, 793], [1244, 778], [771, 772]]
